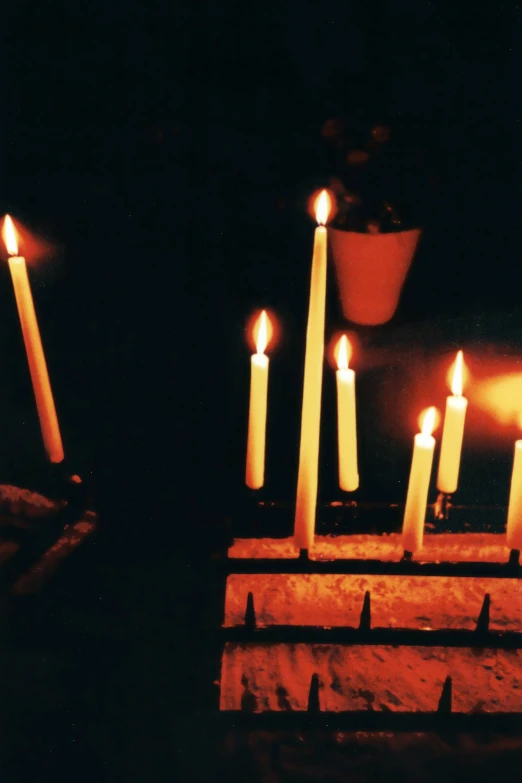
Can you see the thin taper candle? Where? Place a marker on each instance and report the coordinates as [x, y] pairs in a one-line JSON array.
[[307, 479], [514, 519], [418, 485], [346, 420], [453, 433], [256, 443], [33, 346]]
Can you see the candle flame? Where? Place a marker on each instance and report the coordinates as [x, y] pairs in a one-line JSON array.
[[429, 420], [456, 382], [261, 332], [343, 353], [323, 207], [9, 236]]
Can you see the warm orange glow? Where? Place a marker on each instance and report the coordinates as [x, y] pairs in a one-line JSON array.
[[456, 382], [343, 353], [9, 236], [501, 398], [322, 207], [429, 420], [261, 332]]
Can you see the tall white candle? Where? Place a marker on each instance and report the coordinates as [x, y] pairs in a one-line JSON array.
[[514, 520], [307, 478], [418, 486], [453, 433], [33, 346], [255, 461], [346, 420]]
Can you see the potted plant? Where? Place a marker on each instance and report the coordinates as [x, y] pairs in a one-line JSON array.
[[379, 186]]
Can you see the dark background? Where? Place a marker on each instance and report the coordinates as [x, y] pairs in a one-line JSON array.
[[167, 154]]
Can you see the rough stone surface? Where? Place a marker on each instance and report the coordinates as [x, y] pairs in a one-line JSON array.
[[471, 547], [396, 601], [277, 677]]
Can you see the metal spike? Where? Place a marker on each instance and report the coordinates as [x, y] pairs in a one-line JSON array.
[[483, 618], [407, 556], [303, 554], [250, 614], [313, 696], [445, 697], [514, 558], [365, 622]]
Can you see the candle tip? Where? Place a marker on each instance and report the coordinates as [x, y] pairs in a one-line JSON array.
[[343, 351], [429, 420], [456, 382], [323, 207], [261, 332], [9, 236]]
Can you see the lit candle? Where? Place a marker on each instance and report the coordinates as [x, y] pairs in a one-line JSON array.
[[514, 520], [33, 346], [307, 478], [420, 473], [453, 433], [346, 420], [255, 461]]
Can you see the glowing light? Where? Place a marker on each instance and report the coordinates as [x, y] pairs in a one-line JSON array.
[[323, 206], [344, 352], [9, 236], [501, 398], [261, 332], [456, 383], [429, 420]]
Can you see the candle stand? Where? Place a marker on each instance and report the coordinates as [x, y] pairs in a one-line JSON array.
[[371, 519]]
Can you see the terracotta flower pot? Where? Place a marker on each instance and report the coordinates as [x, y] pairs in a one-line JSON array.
[[371, 270]]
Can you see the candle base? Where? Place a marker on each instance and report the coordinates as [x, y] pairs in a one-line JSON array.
[[442, 506]]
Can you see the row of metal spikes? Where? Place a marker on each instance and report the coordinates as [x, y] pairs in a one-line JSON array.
[[481, 636], [443, 720]]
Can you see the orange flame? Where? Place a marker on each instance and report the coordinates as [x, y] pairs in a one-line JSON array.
[[261, 332], [322, 207], [456, 382], [343, 351], [429, 420], [9, 236]]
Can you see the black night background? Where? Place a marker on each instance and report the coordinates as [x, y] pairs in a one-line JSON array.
[[166, 154]]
